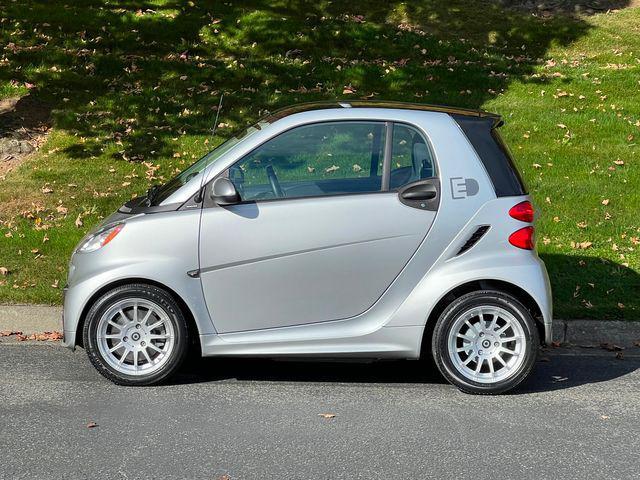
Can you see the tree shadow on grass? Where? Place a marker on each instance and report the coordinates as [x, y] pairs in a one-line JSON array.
[[132, 75], [592, 287]]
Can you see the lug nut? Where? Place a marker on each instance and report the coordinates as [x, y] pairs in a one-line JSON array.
[[496, 344], [142, 344], [138, 325], [481, 334], [125, 339], [480, 352]]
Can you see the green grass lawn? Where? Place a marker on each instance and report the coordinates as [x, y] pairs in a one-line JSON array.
[[133, 88]]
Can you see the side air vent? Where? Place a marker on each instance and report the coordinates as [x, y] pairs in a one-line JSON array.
[[473, 239]]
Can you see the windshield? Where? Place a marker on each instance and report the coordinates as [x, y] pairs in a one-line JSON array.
[[165, 191]]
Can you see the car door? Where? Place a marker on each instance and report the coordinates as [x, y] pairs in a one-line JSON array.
[[319, 234]]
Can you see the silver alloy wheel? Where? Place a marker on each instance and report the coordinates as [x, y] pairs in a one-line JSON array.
[[487, 344], [135, 336]]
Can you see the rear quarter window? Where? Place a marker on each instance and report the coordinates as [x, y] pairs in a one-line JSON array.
[[494, 154]]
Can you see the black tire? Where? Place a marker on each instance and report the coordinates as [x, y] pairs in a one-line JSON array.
[[440, 344], [162, 299]]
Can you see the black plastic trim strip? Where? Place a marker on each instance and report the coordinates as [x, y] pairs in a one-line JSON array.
[[473, 239], [139, 205], [386, 162]]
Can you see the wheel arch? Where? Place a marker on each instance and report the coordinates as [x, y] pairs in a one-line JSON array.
[[192, 327], [489, 284]]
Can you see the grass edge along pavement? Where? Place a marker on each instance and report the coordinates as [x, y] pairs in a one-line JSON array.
[[43, 322]]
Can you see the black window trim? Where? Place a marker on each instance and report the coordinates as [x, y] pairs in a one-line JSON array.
[[386, 158]]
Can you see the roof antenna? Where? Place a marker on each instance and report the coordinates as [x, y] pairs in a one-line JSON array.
[[200, 194], [215, 123]]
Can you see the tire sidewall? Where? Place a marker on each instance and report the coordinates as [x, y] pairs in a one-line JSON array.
[[162, 300], [440, 344]]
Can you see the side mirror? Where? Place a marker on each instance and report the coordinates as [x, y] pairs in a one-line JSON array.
[[224, 192]]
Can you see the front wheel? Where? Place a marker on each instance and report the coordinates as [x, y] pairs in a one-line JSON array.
[[485, 342], [136, 335]]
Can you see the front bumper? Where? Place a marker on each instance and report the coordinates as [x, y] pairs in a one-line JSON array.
[[68, 336]]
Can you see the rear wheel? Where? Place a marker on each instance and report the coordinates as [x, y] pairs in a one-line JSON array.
[[485, 342], [136, 335]]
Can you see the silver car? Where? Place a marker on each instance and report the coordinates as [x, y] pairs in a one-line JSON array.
[[373, 230]]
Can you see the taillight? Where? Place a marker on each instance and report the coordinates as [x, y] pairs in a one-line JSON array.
[[522, 211], [523, 238]]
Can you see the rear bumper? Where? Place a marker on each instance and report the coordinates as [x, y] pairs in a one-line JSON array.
[[545, 301], [548, 333]]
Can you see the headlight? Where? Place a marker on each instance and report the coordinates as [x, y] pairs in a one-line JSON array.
[[100, 239]]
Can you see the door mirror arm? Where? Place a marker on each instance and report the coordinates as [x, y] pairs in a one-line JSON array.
[[200, 195], [223, 192]]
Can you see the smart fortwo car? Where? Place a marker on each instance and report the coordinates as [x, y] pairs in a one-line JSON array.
[[372, 230]]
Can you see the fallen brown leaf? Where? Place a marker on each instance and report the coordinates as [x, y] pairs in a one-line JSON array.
[[39, 337], [8, 333]]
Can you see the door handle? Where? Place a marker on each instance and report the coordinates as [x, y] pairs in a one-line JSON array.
[[424, 191]]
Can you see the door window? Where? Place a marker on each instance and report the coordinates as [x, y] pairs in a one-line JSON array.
[[330, 158], [411, 158]]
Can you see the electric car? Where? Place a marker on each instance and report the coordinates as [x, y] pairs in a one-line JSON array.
[[372, 230]]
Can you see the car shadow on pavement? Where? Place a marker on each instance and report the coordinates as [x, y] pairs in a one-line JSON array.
[[307, 371], [568, 368], [557, 370]]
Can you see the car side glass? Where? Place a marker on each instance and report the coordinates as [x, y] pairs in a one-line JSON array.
[[236, 175], [411, 158], [327, 158]]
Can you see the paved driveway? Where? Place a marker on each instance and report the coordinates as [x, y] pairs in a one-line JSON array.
[[579, 417]]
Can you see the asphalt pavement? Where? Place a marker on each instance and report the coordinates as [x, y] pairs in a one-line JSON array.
[[577, 417]]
